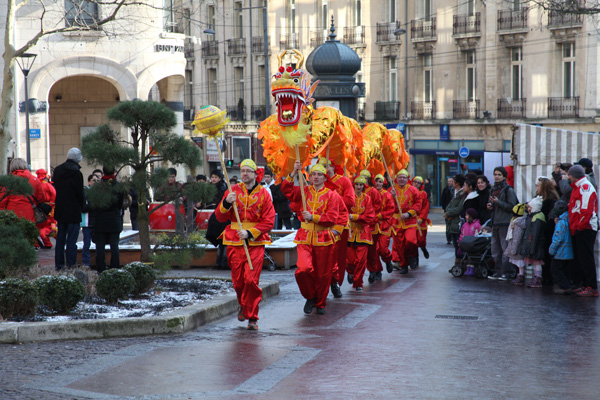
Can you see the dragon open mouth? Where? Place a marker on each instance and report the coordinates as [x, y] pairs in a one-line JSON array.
[[289, 105]]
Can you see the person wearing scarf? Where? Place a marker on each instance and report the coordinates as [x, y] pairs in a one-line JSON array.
[[257, 217], [501, 202]]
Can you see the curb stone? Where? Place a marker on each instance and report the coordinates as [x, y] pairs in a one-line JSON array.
[[176, 322]]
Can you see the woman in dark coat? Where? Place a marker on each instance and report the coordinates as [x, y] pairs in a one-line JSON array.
[[471, 197], [546, 188], [483, 189]]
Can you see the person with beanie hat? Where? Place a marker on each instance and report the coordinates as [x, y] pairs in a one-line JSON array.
[[583, 224], [68, 182], [588, 166], [561, 248]]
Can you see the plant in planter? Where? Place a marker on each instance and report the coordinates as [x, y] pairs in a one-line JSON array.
[[59, 293], [144, 276], [178, 250], [17, 297], [115, 284], [146, 139], [16, 247]]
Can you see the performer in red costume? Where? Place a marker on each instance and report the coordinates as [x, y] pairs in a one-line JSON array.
[[405, 248], [317, 235], [423, 219], [343, 186], [373, 263], [382, 232], [362, 219], [48, 227], [257, 216]]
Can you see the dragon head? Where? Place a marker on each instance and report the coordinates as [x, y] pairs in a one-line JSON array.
[[292, 91]]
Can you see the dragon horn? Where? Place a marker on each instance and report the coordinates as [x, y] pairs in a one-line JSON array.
[[280, 57], [300, 58]]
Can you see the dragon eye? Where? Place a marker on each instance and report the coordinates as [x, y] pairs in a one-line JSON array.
[[296, 80]]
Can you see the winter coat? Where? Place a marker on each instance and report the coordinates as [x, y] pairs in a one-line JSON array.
[[471, 201], [482, 210], [68, 182], [562, 243], [280, 202], [447, 195], [516, 232], [221, 189], [108, 219], [453, 212], [20, 204], [533, 243], [583, 207], [469, 229], [502, 210]]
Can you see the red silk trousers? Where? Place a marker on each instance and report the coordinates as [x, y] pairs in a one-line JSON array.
[[315, 268], [245, 281], [405, 246]]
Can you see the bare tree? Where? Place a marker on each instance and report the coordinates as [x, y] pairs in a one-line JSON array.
[[584, 7], [73, 16]]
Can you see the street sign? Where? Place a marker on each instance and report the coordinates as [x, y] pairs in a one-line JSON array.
[[35, 134], [464, 152]]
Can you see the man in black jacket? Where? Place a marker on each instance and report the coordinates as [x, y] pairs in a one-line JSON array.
[[107, 222], [68, 182], [447, 195]]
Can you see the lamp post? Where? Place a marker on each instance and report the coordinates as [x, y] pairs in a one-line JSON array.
[[25, 62], [399, 32]]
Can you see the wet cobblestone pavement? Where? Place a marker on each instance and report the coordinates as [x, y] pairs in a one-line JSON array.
[[425, 335]]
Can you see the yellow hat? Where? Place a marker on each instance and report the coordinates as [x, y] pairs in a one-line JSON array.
[[361, 179], [402, 172], [418, 179], [379, 176], [249, 163], [318, 168], [324, 161], [365, 172]]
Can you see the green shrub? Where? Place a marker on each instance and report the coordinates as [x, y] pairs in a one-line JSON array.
[[60, 293], [115, 284], [17, 297], [178, 250], [144, 276], [16, 247]]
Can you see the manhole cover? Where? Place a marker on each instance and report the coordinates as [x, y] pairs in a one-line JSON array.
[[463, 317], [472, 291]]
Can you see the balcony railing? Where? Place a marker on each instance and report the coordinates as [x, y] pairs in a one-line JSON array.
[[188, 48], [513, 109], [385, 31], [236, 47], [511, 19], [289, 41], [354, 35], [317, 38], [563, 107], [236, 113], [464, 109], [387, 110], [557, 19], [423, 30], [210, 48], [258, 44], [422, 109], [465, 24], [258, 113]]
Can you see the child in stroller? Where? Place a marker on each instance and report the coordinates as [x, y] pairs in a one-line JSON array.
[[475, 247]]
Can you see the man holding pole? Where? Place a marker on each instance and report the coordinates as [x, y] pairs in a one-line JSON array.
[[257, 218], [382, 232], [343, 186], [408, 206], [373, 263], [316, 236]]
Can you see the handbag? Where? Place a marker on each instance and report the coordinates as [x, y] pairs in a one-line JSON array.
[[39, 211]]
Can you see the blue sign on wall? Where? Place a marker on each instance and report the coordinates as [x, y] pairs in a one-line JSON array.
[[463, 152], [35, 134], [444, 132]]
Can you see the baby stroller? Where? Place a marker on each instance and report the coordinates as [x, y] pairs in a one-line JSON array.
[[476, 251]]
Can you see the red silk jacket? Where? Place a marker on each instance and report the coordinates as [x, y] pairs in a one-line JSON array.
[[257, 215], [410, 202], [424, 213], [363, 217], [385, 215]]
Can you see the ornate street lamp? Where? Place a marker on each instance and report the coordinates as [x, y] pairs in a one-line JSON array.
[[25, 62]]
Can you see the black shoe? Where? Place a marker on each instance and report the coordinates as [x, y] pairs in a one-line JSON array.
[[371, 277], [425, 252], [335, 289], [309, 305], [350, 279], [378, 276], [403, 271], [413, 262], [389, 267], [320, 311]]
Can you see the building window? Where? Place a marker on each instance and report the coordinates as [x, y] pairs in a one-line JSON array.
[[240, 149], [357, 13], [427, 78], [81, 13], [470, 7], [238, 76], [211, 79], [470, 57], [427, 10], [187, 27], [392, 77], [568, 61], [392, 10], [324, 11], [188, 98], [517, 73], [169, 20], [239, 19], [210, 17], [291, 23], [516, 5], [261, 16]]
